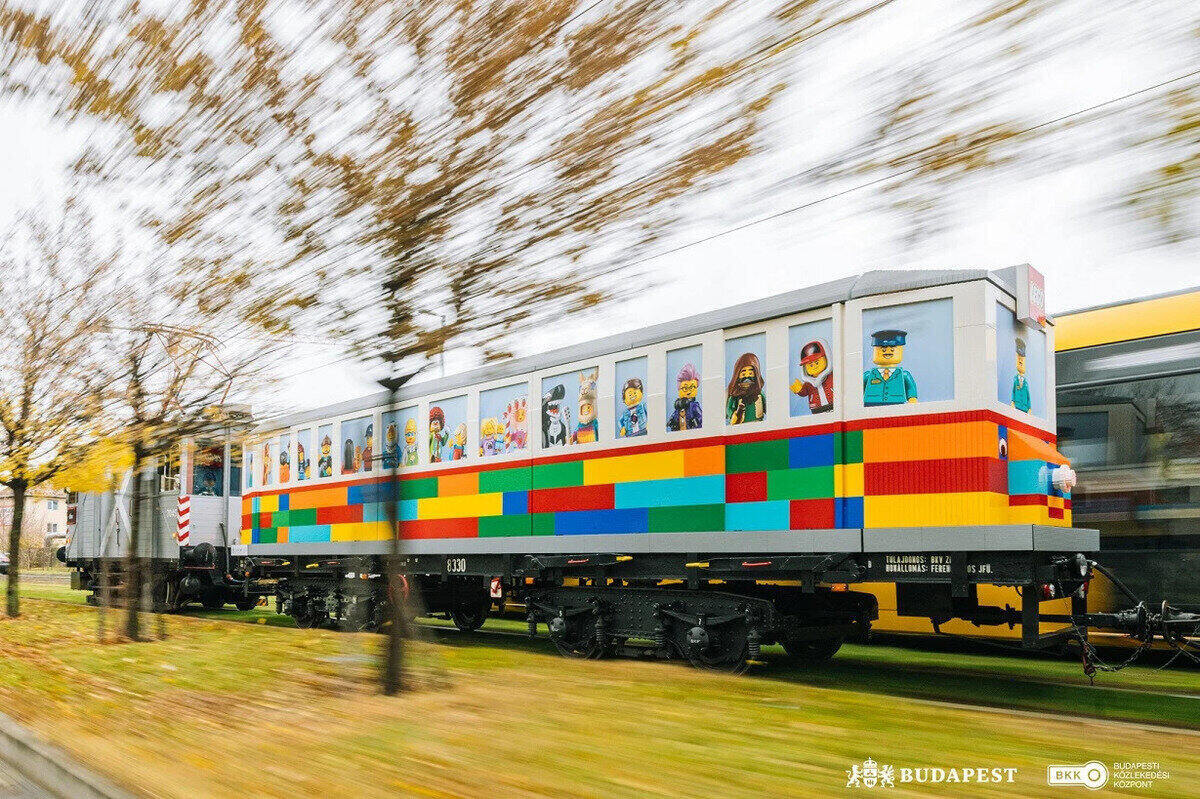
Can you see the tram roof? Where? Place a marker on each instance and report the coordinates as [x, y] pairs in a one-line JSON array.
[[867, 284]]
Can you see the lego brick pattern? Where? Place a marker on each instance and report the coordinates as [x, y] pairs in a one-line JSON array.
[[944, 470]]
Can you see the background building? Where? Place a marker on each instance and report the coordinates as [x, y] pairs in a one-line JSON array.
[[45, 526]]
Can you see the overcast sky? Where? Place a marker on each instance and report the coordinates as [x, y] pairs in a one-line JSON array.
[[1050, 221]]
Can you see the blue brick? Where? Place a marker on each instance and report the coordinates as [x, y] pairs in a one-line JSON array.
[[515, 502], [584, 522], [408, 510], [704, 490], [774, 515], [285, 501], [805, 451], [254, 505], [848, 512], [309, 533]]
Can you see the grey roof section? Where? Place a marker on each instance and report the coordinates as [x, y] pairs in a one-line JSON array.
[[868, 284]]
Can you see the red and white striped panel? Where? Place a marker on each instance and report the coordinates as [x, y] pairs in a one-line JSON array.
[[185, 520]]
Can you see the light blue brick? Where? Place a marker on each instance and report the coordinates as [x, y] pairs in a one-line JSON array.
[[773, 515], [704, 490], [309, 533], [1028, 477]]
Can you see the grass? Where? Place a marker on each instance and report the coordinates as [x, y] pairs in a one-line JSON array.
[[223, 709]]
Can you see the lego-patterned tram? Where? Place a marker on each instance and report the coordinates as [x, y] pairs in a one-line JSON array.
[[698, 489]]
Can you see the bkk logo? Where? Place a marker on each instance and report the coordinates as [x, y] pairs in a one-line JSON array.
[[870, 774]]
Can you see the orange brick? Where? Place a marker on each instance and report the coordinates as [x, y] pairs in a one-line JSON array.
[[458, 485], [1024, 447], [318, 498], [699, 461], [281, 535], [931, 442]]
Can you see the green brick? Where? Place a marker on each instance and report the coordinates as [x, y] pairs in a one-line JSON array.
[[267, 535], [421, 488], [280, 518], [302, 516], [543, 524], [557, 475], [815, 482], [687, 519], [499, 480], [848, 446], [516, 524], [756, 456]]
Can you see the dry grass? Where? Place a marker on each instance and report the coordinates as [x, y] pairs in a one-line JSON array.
[[243, 710]]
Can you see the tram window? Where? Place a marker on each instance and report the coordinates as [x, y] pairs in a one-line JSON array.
[[569, 408], [325, 450], [303, 453], [248, 449], [745, 392], [908, 353], [285, 459], [358, 445], [1020, 364], [235, 470], [208, 461], [684, 389], [810, 368]]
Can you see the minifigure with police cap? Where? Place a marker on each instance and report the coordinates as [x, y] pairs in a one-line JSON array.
[[888, 383]]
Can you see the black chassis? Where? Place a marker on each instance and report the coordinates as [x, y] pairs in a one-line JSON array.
[[937, 585]]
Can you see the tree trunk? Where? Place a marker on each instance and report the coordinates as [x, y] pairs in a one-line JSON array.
[[14, 546], [133, 561], [393, 661]]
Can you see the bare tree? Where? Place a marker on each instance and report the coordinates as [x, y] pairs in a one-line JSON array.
[[185, 347], [51, 381]]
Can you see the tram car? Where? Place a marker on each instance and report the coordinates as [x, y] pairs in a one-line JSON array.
[[696, 489], [700, 487]]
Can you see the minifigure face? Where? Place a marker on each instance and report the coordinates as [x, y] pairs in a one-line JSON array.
[[326, 446], [891, 355], [410, 431], [688, 388], [552, 411], [435, 426], [487, 427], [1021, 364], [633, 395], [390, 435], [816, 366], [520, 413], [587, 412], [460, 435]]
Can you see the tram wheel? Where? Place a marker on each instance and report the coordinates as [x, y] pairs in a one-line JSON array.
[[576, 637], [814, 651], [244, 603], [468, 618], [721, 648], [212, 601]]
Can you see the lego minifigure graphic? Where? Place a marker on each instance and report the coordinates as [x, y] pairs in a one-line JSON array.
[[285, 468], [349, 457], [302, 462], [686, 413], [487, 441], [368, 450], [887, 383], [633, 420], [816, 376], [411, 457], [588, 428], [515, 434], [747, 401], [438, 435], [556, 417], [325, 462], [458, 443], [391, 446], [1020, 387], [266, 464]]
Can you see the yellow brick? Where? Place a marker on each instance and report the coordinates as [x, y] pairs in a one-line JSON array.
[[268, 503], [932, 510], [848, 479], [627, 468], [460, 507], [1028, 514]]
